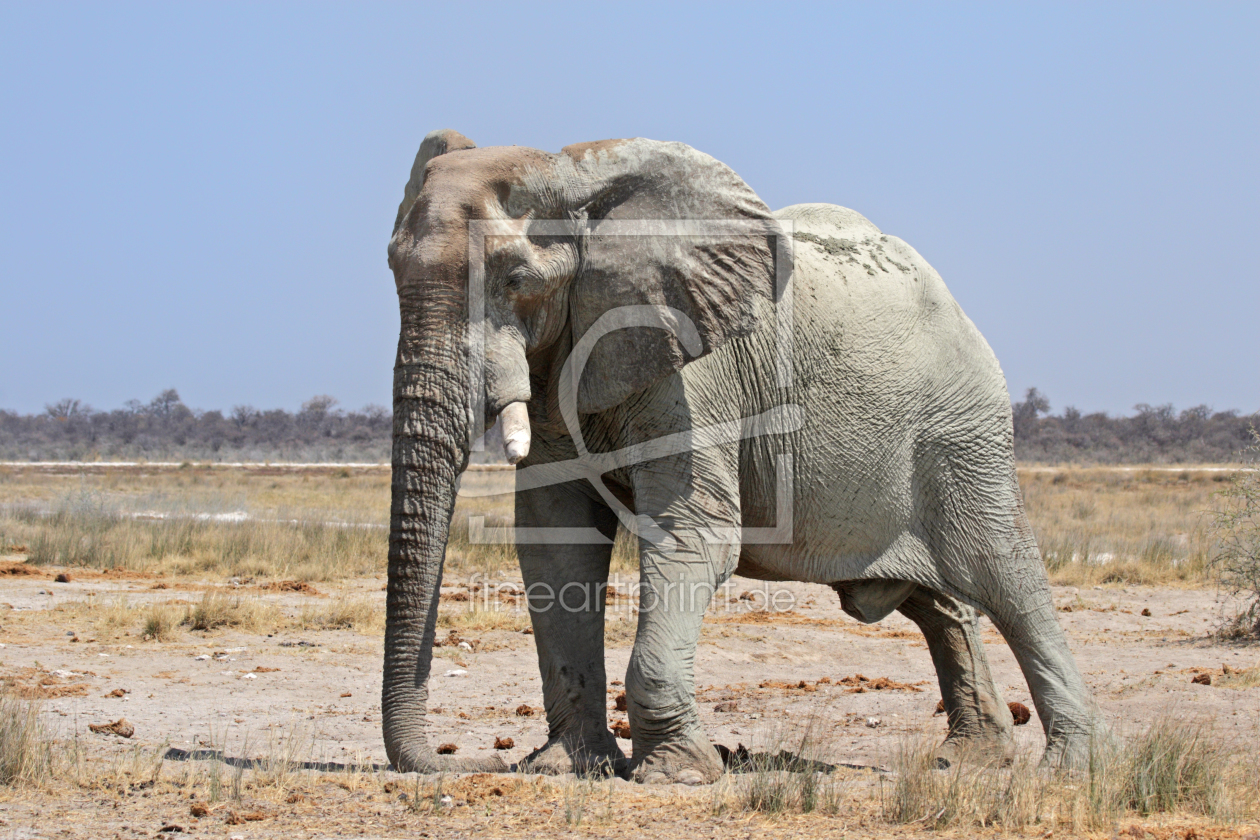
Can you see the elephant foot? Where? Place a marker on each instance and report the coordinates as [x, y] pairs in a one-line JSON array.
[[1071, 753], [689, 761], [557, 757], [984, 747]]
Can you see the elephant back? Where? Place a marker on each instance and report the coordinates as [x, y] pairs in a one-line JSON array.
[[829, 219]]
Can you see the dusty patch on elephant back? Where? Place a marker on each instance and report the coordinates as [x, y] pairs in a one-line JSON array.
[[577, 151], [835, 247]]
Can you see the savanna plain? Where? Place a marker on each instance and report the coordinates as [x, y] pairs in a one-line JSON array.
[[196, 650]]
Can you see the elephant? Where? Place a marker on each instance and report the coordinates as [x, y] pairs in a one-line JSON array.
[[788, 395]]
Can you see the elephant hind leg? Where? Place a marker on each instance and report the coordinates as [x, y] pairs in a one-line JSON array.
[[979, 722], [988, 557]]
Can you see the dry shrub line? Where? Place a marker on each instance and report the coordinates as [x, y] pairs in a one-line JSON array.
[[1236, 564]]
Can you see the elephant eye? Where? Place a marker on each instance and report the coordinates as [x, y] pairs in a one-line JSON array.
[[515, 278]]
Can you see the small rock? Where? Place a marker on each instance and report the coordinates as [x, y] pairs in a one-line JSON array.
[[1146, 613], [447, 749], [873, 722], [202, 658], [456, 672], [465, 646], [347, 694], [504, 743], [1019, 713], [249, 676], [117, 692], [120, 727], [1202, 679], [65, 578]]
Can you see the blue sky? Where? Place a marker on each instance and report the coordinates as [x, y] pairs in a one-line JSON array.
[[199, 196]]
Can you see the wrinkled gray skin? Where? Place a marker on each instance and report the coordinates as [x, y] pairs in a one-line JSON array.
[[905, 494]]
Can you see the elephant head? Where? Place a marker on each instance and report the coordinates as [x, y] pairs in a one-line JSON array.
[[549, 274]]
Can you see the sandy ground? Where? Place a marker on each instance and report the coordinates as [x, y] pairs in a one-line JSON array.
[[763, 679]]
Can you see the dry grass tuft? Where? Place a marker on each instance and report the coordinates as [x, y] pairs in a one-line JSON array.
[[469, 617], [25, 748], [161, 623], [218, 609], [1171, 766], [344, 613]]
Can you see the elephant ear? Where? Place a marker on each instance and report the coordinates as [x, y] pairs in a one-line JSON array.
[[435, 143], [714, 280]]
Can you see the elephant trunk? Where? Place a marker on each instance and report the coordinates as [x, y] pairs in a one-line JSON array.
[[430, 450]]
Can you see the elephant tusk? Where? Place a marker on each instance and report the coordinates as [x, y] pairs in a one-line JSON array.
[[515, 421]]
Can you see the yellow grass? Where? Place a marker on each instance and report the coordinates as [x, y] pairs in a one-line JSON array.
[[1110, 526], [1094, 525]]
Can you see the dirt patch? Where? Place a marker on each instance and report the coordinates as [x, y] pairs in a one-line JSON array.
[[859, 684], [299, 586], [480, 787], [38, 683], [121, 727], [19, 568]]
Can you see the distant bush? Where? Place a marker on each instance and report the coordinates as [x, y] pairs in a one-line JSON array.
[[167, 430], [1154, 435], [1237, 561]]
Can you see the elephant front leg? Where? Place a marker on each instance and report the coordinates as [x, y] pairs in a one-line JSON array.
[[689, 550], [670, 745], [565, 587], [979, 722]]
